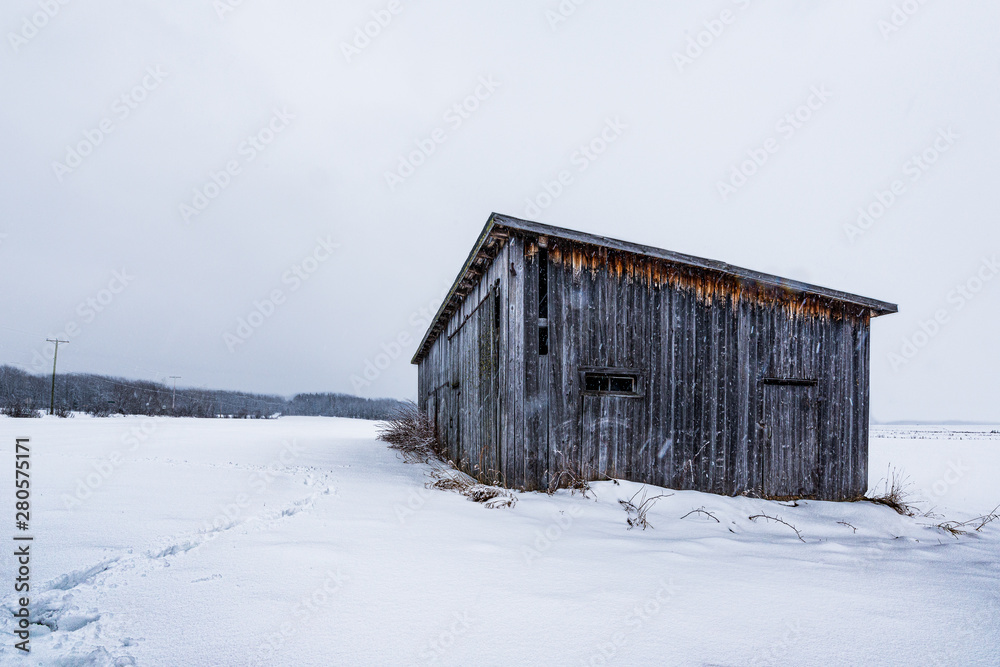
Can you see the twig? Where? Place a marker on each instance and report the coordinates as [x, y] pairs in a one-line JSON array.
[[844, 523], [956, 528], [702, 510], [989, 518], [774, 518]]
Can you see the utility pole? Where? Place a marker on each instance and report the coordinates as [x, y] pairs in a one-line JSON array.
[[55, 355], [173, 402]]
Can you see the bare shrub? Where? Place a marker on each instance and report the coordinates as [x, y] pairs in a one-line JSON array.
[[568, 479], [637, 512], [411, 432], [893, 491], [449, 483], [450, 479], [20, 410], [777, 520], [576, 478], [702, 510], [490, 496], [490, 477], [957, 528]]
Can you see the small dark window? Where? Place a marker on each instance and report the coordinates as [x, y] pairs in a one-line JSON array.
[[794, 382], [597, 382], [543, 302], [623, 384], [610, 383], [496, 308], [543, 283]]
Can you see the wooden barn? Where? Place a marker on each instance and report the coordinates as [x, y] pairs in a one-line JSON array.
[[559, 351]]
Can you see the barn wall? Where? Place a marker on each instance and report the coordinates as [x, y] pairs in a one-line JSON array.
[[464, 381], [701, 350]]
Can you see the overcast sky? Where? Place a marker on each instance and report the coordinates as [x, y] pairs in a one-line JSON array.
[[169, 169]]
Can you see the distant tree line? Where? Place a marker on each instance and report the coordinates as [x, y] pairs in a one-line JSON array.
[[23, 394]]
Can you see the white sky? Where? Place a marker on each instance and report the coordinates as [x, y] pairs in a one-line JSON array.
[[681, 130]]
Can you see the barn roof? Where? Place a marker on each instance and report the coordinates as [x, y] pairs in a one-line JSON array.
[[502, 226]]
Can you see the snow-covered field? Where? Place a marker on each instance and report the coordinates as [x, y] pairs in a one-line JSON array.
[[304, 541]]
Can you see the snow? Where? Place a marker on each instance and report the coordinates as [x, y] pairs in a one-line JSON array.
[[305, 541]]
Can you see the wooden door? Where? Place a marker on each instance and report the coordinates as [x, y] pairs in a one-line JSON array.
[[607, 435], [791, 454]]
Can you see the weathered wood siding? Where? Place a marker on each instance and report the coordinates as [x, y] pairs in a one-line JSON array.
[[464, 381], [705, 351], [742, 388]]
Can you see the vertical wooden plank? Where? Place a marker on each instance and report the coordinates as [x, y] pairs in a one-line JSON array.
[[616, 356], [762, 353], [728, 420], [715, 377], [532, 398], [573, 351], [653, 364], [744, 343], [554, 381], [863, 353], [665, 441], [501, 274], [516, 314], [701, 384], [683, 335]]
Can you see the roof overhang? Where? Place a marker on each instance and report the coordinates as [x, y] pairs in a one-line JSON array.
[[502, 226]]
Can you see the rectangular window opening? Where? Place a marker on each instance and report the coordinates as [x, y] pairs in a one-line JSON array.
[[790, 382], [623, 384], [543, 302], [543, 284], [496, 308], [609, 383]]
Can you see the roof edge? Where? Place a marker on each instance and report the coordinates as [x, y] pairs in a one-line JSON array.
[[876, 307], [879, 307], [483, 235]]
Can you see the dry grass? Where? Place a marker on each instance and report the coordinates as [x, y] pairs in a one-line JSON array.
[[576, 479], [450, 479], [957, 528], [637, 512], [410, 432], [568, 479], [893, 491]]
